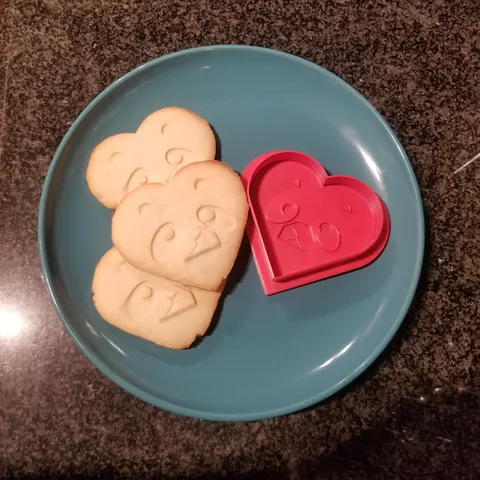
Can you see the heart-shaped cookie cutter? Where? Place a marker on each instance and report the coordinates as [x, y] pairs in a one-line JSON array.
[[305, 225]]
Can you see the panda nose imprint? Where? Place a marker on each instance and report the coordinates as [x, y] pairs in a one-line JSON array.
[[203, 241]]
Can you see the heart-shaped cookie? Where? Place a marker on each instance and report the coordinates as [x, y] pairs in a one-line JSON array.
[[149, 306], [166, 141], [188, 230], [306, 225]]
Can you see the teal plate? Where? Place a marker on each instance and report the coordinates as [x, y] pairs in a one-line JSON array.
[[266, 356]]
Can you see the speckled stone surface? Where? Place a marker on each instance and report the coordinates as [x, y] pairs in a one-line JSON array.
[[416, 412]]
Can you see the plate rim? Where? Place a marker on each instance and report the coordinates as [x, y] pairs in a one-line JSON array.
[[173, 407]]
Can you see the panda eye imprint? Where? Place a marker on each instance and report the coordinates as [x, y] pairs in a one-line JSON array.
[[168, 233], [216, 218], [206, 214]]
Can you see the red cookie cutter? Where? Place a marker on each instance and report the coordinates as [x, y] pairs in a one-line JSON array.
[[304, 225]]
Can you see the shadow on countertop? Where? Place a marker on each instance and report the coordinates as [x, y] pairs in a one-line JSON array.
[[425, 440]]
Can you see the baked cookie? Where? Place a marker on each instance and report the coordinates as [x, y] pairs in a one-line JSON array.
[[188, 230], [166, 141], [149, 306]]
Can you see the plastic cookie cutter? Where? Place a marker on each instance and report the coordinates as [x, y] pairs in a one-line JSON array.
[[305, 225]]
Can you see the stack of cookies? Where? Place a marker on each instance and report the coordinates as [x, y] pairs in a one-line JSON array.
[[178, 224]]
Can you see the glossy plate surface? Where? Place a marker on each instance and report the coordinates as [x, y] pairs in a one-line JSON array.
[[267, 355]]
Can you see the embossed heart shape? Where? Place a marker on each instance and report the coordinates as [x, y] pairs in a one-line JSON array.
[[188, 230], [305, 225]]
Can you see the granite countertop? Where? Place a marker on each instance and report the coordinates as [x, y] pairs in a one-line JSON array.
[[416, 412]]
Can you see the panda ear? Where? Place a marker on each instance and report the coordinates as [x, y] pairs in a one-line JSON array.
[[295, 182], [346, 207], [147, 208], [200, 184]]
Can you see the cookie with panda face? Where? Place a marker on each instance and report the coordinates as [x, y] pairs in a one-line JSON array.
[[188, 230], [167, 140], [149, 306]]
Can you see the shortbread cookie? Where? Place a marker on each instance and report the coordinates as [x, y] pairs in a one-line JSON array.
[[149, 306], [189, 230], [166, 141]]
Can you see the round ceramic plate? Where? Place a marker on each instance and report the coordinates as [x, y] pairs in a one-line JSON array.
[[266, 356]]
